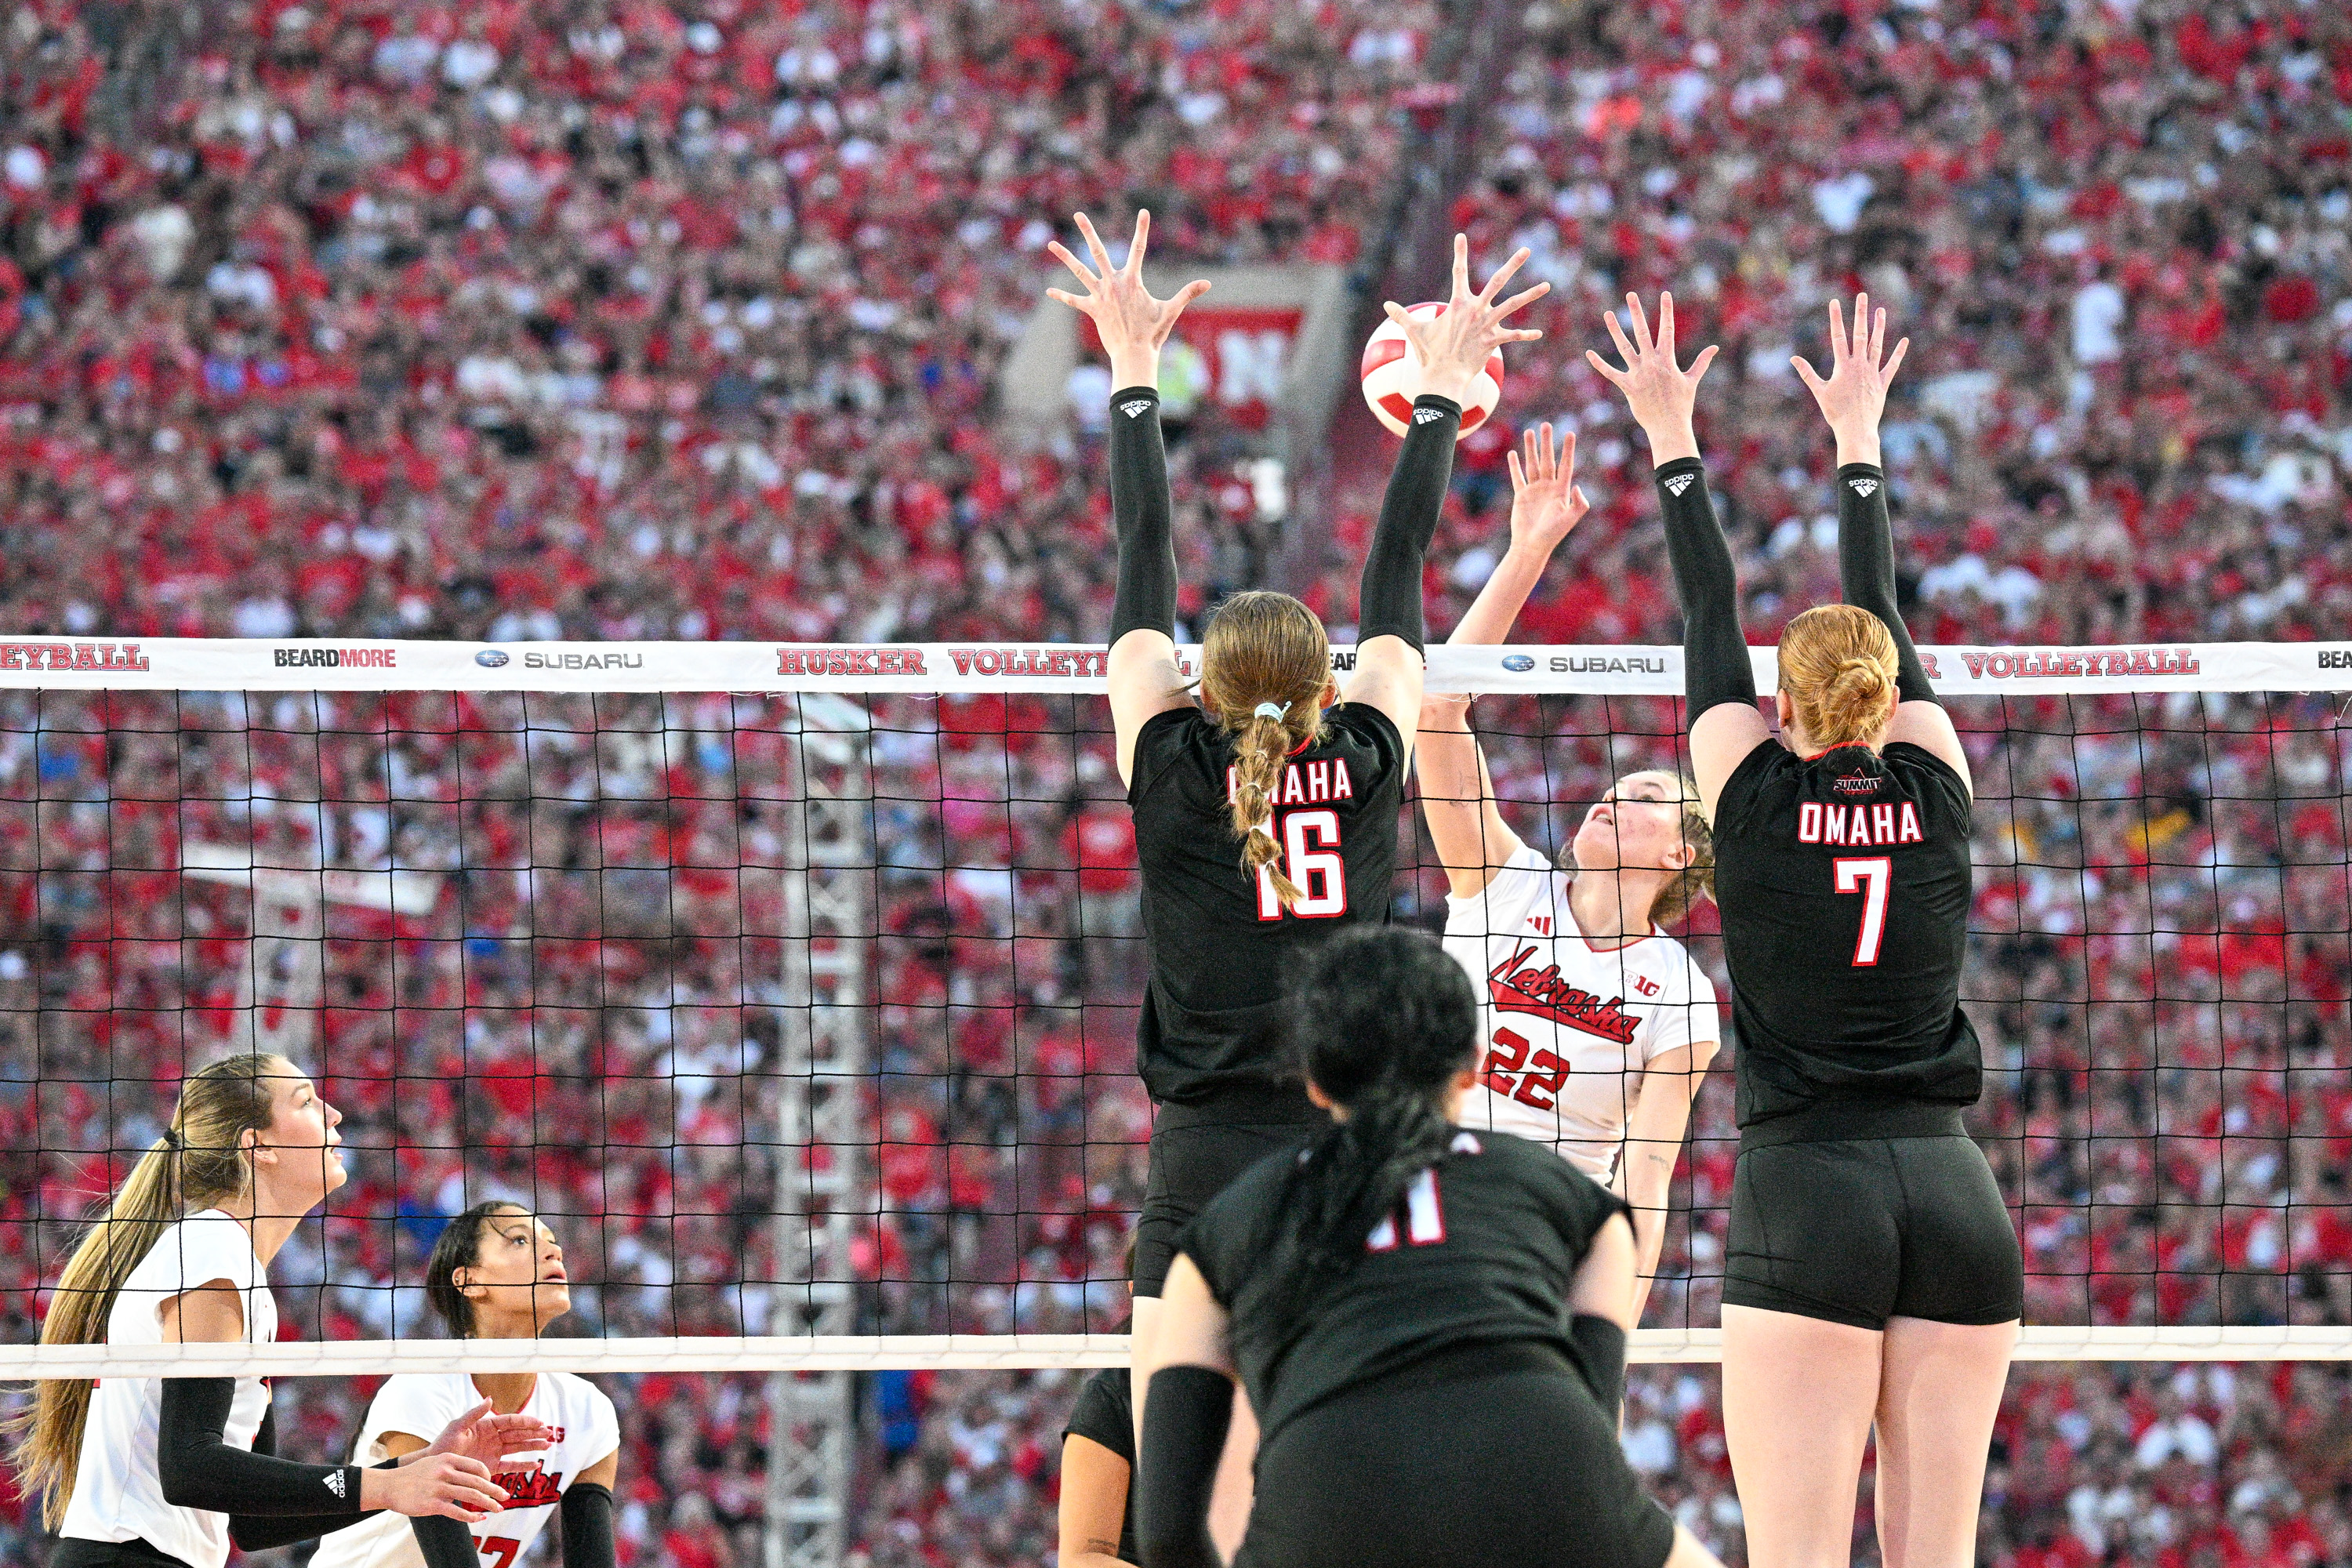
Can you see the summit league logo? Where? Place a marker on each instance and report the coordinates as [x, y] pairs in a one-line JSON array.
[[1679, 483], [1863, 487]]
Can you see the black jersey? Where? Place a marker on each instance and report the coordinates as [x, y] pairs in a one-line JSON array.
[[1223, 951], [1106, 1413], [1484, 1250], [1844, 885]]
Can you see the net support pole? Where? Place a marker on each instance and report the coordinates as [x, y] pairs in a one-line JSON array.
[[821, 1090]]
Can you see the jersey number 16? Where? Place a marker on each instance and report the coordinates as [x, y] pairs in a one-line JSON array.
[[1310, 858]]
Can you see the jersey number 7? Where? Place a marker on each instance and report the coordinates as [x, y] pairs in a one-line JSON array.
[[499, 1550], [1870, 876], [1319, 872]]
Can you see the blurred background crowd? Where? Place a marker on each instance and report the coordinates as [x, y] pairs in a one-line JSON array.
[[606, 320]]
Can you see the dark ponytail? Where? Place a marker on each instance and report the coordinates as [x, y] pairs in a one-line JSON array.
[[1383, 1021]]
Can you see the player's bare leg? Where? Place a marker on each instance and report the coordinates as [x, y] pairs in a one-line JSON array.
[[1938, 1397], [1229, 1505], [1143, 1341], [1799, 1396]]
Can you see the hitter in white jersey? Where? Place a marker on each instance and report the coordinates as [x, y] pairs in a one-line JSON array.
[[1597, 1028], [496, 1274]]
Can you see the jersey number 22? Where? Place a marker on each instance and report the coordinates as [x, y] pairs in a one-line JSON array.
[[1319, 872]]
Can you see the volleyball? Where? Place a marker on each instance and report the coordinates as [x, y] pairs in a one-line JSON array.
[[1392, 380]]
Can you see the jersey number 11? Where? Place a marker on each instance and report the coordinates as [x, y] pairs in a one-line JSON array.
[[1424, 1217]]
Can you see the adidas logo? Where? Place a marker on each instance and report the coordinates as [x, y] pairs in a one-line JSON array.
[[1678, 484], [1424, 416], [1134, 408], [1863, 487], [335, 1482]]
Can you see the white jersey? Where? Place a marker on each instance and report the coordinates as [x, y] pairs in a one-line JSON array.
[[118, 1491], [1566, 1028], [421, 1404]]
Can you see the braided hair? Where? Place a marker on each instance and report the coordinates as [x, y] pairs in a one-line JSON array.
[[1383, 1021]]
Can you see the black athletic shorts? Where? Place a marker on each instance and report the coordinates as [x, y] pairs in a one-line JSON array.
[[75, 1552], [1519, 1469], [1196, 1152], [1906, 1224]]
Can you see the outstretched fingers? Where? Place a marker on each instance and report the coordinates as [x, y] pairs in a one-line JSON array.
[[1521, 300], [1666, 326], [1887, 375], [1640, 324], [1625, 349], [1698, 367], [1837, 336], [1502, 274], [1807, 374], [1142, 238], [1462, 290], [1061, 254], [1095, 244]]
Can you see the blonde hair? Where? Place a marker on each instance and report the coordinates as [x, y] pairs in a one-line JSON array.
[[1265, 648], [1838, 666], [199, 1161], [1696, 881]]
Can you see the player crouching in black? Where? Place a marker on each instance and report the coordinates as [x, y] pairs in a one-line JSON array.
[[1416, 1311]]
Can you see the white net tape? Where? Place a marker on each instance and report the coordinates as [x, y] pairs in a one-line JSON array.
[[858, 1353], [188, 664]]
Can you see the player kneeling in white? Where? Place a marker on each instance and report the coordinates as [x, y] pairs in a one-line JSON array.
[[497, 1274], [1596, 1027]]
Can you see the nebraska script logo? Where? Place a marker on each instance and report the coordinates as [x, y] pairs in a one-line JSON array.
[[1543, 993]]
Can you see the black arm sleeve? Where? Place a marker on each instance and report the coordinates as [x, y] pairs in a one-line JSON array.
[[1866, 568], [1388, 603], [445, 1542], [587, 1516], [1715, 650], [249, 1532], [1184, 1421], [1145, 599], [1599, 1347], [199, 1468]]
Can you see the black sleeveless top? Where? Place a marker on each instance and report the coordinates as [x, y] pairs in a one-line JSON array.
[[1223, 953], [1845, 883]]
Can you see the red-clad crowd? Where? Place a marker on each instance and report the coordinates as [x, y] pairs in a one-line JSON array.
[[617, 319]]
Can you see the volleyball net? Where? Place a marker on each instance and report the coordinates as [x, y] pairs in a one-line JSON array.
[[795, 986]]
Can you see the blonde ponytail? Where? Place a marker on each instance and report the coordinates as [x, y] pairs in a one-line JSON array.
[[199, 1161], [1838, 666], [1259, 747], [1696, 881], [1265, 663]]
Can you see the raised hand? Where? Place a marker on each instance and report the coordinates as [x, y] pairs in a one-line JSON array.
[[1546, 500], [1853, 397], [1133, 325], [1660, 393], [1451, 347], [489, 1438]]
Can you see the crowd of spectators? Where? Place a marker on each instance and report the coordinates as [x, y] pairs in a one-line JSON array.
[[629, 320]]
